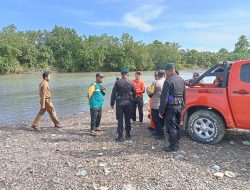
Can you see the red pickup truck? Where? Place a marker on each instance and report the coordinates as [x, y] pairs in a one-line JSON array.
[[220, 103]]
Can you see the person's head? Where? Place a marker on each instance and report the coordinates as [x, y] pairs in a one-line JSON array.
[[161, 74], [196, 75], [169, 69], [99, 77], [124, 73], [46, 76], [219, 77], [137, 75]]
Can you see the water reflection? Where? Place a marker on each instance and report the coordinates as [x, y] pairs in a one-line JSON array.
[[20, 99]]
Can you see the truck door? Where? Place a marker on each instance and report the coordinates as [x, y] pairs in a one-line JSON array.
[[239, 93]]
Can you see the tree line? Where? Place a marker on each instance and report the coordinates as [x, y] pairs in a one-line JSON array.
[[63, 50]]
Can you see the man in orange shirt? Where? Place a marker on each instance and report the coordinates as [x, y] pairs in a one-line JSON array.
[[139, 86]]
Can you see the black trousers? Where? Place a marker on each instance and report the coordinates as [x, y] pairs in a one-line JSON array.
[[172, 121], [123, 111], [138, 102], [96, 115], [158, 122]]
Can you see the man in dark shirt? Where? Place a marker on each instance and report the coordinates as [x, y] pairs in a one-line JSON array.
[[122, 94], [172, 101], [195, 77]]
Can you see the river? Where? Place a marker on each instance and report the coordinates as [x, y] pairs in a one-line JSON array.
[[20, 97]]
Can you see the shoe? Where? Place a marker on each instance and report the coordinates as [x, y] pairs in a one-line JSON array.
[[92, 133], [58, 126], [151, 129], [119, 139], [155, 134], [34, 127], [159, 137], [128, 136], [98, 130], [171, 149]]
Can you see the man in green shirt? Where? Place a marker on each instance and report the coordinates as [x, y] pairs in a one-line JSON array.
[[96, 95]]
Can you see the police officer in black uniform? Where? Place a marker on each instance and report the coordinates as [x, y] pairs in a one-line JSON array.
[[122, 94], [173, 98]]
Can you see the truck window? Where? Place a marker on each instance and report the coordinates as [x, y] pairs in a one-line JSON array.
[[214, 78], [245, 73]]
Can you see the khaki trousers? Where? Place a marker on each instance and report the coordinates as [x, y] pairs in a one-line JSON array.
[[50, 109]]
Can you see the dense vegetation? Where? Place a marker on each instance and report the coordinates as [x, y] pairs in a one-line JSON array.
[[64, 50]]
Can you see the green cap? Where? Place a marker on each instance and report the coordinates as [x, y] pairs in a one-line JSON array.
[[169, 66]]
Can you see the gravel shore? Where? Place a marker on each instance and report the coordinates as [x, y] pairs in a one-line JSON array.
[[69, 158]]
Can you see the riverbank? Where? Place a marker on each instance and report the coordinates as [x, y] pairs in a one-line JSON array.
[[69, 158], [55, 70]]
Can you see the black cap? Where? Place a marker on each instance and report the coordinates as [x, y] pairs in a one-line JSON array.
[[99, 75]]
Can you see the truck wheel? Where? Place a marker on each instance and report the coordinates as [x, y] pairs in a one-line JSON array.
[[206, 126]]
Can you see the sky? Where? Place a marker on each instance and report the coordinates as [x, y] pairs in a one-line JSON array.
[[205, 25]]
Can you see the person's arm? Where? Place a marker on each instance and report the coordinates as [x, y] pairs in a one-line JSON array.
[[133, 91], [164, 98], [113, 96], [91, 91], [43, 95], [216, 82], [103, 90], [184, 97], [142, 89]]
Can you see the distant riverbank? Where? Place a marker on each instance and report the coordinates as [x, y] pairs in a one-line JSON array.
[[54, 70]]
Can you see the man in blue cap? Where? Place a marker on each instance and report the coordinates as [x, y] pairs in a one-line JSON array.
[[172, 102], [122, 93]]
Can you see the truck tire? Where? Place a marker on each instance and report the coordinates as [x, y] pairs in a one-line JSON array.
[[206, 126]]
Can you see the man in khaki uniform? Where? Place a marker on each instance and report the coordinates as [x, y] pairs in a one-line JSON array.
[[46, 104]]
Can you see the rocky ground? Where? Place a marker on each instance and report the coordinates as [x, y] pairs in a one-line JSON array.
[[69, 158]]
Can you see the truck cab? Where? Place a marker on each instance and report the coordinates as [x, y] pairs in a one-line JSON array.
[[218, 100]]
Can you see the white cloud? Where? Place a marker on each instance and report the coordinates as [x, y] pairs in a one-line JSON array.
[[149, 12], [139, 18], [136, 22]]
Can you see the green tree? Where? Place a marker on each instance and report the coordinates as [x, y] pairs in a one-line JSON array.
[[64, 43], [64, 50], [241, 48]]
